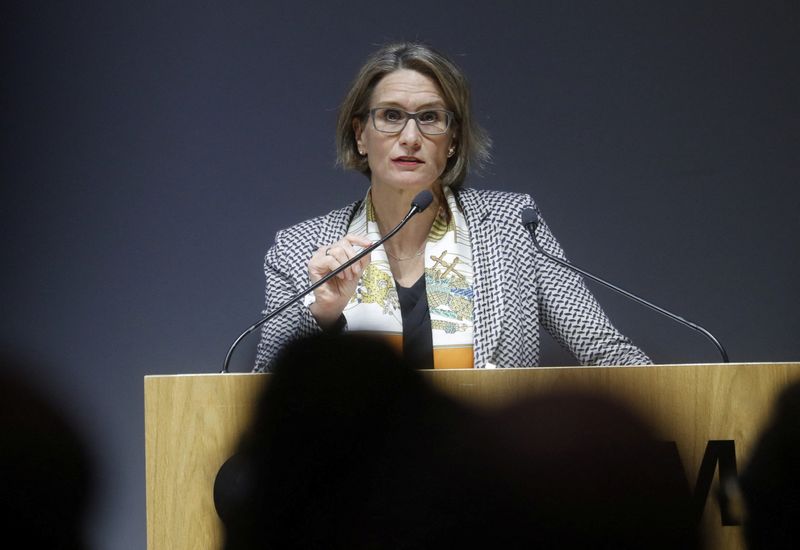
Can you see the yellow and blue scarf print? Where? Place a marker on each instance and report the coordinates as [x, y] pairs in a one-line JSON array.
[[375, 307]]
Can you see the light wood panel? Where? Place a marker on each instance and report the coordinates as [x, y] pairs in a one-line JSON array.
[[191, 426], [192, 423]]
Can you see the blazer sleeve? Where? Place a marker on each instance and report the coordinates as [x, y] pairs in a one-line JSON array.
[[572, 315], [286, 275]]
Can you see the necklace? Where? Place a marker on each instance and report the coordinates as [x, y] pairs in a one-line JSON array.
[[421, 250]]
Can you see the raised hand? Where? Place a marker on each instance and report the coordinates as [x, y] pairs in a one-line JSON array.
[[331, 298]]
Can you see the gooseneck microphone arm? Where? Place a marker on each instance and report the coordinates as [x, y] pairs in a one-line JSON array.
[[420, 203], [530, 219]]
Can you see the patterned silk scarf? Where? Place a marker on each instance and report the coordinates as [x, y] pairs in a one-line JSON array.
[[375, 307]]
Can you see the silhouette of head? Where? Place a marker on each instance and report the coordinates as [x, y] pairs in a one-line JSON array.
[[46, 471], [588, 472], [770, 481], [349, 448]]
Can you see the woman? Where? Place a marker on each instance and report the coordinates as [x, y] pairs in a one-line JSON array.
[[460, 285]]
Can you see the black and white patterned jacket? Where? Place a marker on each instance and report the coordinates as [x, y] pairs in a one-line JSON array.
[[515, 288]]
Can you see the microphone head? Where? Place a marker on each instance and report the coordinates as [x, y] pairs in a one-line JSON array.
[[530, 218], [422, 201]]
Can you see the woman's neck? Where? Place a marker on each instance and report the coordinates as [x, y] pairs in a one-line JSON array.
[[391, 207]]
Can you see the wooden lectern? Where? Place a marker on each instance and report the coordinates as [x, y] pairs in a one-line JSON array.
[[192, 424]]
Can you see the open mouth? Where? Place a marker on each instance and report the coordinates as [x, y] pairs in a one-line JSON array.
[[408, 160]]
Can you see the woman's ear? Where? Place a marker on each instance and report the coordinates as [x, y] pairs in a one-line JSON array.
[[358, 130], [451, 150]]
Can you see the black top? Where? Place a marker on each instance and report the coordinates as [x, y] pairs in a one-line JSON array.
[[417, 335]]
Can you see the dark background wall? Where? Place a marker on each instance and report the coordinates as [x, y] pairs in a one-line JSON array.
[[151, 150]]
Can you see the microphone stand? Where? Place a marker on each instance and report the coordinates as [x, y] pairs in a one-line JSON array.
[[532, 224]]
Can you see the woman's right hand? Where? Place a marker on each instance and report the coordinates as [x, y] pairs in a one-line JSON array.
[[331, 298]]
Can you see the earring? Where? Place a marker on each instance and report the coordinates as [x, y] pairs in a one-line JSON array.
[[361, 152], [451, 152]]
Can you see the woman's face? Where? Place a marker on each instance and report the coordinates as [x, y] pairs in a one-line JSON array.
[[408, 160]]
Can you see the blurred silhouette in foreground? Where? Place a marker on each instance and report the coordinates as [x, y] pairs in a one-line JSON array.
[[587, 472], [46, 472], [351, 448], [770, 481]]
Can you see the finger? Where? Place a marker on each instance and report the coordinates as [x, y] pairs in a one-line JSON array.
[[321, 268], [321, 257], [354, 271], [362, 242], [340, 253], [357, 240], [323, 253]]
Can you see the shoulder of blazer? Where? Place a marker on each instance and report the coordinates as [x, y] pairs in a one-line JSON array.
[[322, 229], [481, 205]]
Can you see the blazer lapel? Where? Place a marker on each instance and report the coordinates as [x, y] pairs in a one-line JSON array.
[[489, 274]]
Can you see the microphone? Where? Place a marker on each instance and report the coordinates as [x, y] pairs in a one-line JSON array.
[[420, 202], [530, 219]]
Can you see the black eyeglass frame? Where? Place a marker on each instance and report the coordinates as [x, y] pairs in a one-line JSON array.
[[449, 117]]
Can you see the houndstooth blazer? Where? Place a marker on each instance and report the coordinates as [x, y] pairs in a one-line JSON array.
[[515, 288]]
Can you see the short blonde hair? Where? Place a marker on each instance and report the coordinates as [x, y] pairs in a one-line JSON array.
[[472, 142]]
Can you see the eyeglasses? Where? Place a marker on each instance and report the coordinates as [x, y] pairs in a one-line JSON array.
[[391, 120]]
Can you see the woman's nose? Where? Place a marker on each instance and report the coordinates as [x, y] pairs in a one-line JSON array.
[[411, 136]]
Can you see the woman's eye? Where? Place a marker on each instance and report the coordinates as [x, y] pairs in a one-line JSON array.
[[392, 115], [429, 117]]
